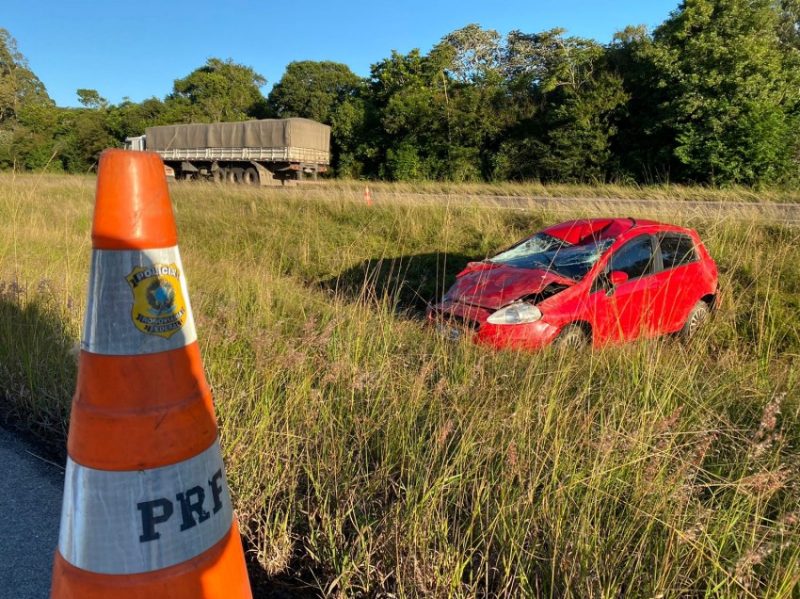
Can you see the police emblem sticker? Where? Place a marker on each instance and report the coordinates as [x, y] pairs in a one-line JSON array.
[[159, 307]]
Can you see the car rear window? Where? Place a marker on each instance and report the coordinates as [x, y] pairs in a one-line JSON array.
[[676, 250]]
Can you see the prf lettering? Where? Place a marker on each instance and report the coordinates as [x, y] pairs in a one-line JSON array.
[[192, 508]]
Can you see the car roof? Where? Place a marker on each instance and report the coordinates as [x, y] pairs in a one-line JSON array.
[[574, 231]]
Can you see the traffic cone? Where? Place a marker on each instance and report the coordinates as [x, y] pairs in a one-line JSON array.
[[367, 196], [146, 512]]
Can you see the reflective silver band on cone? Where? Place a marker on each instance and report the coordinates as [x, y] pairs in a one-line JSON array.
[[129, 522], [138, 303]]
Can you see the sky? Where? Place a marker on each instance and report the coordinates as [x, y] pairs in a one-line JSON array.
[[137, 49]]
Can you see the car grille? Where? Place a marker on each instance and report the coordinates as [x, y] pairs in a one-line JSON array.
[[456, 320]]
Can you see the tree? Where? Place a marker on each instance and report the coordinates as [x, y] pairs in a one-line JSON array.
[[411, 113], [81, 135], [26, 111], [354, 128], [129, 119], [90, 98], [474, 53], [644, 147], [442, 113], [789, 23], [423, 118], [313, 90], [477, 104], [734, 91], [18, 85], [575, 94], [330, 93], [221, 90]]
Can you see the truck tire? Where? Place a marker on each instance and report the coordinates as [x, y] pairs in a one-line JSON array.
[[236, 175], [250, 176], [218, 175]]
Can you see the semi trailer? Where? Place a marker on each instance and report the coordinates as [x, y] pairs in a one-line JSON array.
[[258, 152]]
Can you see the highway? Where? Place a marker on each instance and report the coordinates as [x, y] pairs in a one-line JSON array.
[[30, 504], [773, 212]]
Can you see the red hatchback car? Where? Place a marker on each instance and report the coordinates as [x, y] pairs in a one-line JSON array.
[[584, 281]]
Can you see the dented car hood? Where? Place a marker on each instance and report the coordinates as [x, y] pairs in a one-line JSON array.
[[493, 286]]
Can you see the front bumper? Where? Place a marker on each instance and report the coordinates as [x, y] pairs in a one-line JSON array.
[[458, 321]]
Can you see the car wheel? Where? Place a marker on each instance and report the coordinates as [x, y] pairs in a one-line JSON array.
[[695, 320], [572, 336]]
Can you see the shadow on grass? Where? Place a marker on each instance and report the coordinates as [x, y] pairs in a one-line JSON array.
[[297, 583], [37, 366], [38, 370], [409, 283]]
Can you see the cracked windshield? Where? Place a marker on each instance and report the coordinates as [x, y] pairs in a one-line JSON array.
[[548, 252]]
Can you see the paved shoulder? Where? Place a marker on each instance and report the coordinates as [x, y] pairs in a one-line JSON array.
[[30, 508]]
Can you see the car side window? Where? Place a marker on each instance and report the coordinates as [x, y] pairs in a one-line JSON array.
[[635, 258], [676, 250]]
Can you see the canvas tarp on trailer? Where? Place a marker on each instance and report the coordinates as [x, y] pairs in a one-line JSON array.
[[265, 133]]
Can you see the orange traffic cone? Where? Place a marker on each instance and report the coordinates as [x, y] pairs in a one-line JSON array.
[[367, 196], [146, 512]]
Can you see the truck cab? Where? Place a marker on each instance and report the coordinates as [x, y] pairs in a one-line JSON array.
[[138, 143]]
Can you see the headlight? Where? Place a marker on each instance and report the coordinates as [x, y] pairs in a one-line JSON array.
[[517, 313]]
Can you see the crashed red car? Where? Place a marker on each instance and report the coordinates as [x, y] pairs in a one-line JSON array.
[[584, 281]]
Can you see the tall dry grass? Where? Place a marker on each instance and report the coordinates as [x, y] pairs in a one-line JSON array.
[[370, 458]]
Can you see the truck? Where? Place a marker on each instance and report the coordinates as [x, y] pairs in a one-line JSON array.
[[256, 152]]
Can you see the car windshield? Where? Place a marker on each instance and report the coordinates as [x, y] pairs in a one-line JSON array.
[[550, 253]]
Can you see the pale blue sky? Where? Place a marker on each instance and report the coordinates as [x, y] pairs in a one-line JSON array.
[[138, 49]]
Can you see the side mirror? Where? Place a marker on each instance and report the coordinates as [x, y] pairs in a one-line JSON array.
[[617, 277]]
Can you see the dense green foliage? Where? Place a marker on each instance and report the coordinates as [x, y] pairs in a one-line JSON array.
[[710, 96]]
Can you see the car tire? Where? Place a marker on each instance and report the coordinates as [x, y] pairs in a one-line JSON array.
[[572, 336], [695, 320]]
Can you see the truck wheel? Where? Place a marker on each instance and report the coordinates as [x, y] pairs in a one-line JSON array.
[[250, 176], [218, 175], [236, 175]]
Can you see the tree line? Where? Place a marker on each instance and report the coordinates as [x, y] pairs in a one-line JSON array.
[[711, 96]]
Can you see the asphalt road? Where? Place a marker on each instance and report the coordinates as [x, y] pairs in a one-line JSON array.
[[779, 213], [30, 509]]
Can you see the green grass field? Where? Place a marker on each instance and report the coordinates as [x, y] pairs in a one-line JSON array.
[[370, 458]]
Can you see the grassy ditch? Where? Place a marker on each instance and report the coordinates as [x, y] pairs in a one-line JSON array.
[[369, 458]]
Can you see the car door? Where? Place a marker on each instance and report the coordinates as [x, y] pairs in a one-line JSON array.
[[679, 265], [621, 313]]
